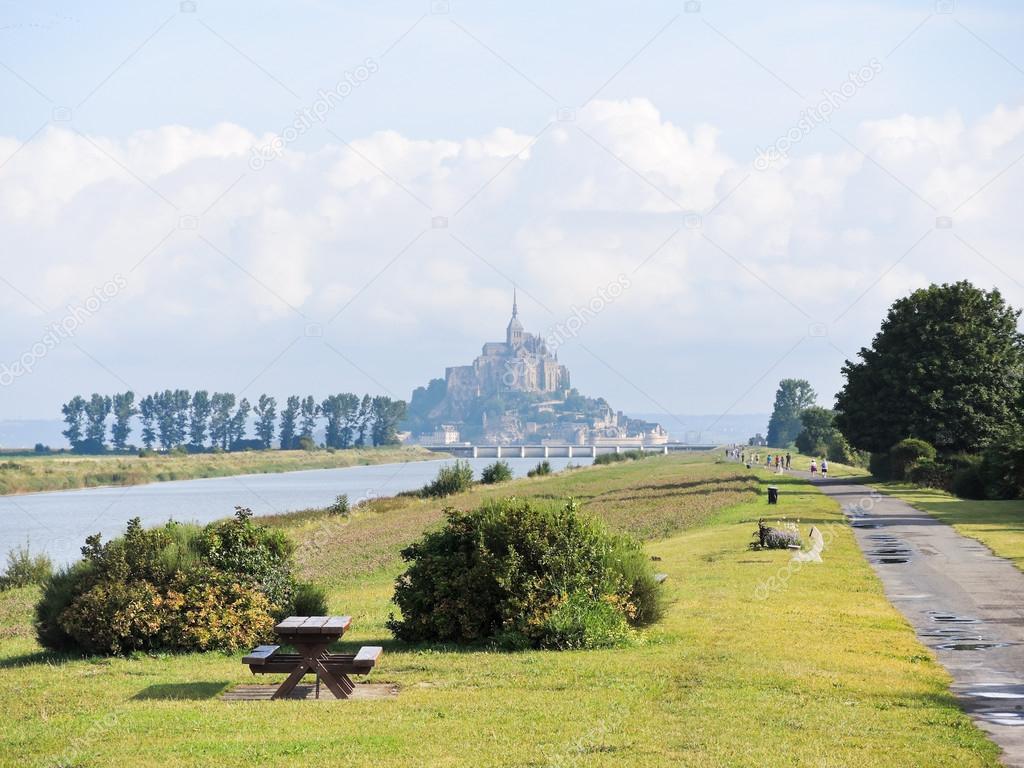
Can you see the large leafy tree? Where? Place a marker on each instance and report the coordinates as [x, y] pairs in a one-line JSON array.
[[222, 403], [199, 418], [309, 411], [947, 367], [289, 419], [73, 411], [124, 408], [148, 416], [266, 414], [792, 399], [96, 411], [387, 414]]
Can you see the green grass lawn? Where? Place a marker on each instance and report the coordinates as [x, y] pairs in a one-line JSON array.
[[55, 472], [820, 672], [999, 525]]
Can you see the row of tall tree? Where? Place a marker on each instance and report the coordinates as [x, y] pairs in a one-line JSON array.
[[201, 421]]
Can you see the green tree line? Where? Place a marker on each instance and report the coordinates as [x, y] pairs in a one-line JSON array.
[[200, 421]]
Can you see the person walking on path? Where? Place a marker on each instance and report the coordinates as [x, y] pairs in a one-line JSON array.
[[814, 468], [824, 469], [789, 460]]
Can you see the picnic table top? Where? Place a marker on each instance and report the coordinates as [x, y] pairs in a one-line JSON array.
[[323, 626]]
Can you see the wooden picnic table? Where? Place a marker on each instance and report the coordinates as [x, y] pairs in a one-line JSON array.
[[311, 636]]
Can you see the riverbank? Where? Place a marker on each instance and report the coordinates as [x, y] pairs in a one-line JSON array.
[[62, 472], [821, 671]]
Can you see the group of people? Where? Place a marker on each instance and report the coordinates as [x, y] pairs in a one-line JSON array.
[[776, 461]]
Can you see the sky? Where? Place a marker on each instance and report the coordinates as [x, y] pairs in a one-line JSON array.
[[694, 200]]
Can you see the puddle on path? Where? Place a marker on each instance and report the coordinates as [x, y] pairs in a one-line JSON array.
[[970, 646]]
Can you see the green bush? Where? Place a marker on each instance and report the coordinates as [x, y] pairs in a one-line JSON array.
[[608, 458], [582, 621], [452, 479], [309, 600], [542, 469], [968, 481], [24, 568], [930, 474], [905, 454], [339, 507], [1002, 469], [879, 466], [498, 472], [178, 587], [523, 574]]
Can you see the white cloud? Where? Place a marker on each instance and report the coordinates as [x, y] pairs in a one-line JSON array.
[[317, 229]]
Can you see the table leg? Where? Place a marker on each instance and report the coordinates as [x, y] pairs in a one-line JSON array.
[[292, 680], [336, 686]]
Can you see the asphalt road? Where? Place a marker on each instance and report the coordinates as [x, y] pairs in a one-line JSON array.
[[966, 604]]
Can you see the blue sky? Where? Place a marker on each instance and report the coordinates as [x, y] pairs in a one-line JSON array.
[[566, 145]]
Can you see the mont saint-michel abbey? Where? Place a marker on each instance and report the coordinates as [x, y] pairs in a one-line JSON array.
[[516, 391], [521, 363]]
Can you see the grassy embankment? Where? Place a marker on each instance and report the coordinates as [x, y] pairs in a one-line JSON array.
[[27, 474], [822, 672], [999, 525]]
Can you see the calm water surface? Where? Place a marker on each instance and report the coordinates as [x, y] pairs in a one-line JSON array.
[[58, 522]]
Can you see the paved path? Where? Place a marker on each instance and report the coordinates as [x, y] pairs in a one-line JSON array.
[[963, 601]]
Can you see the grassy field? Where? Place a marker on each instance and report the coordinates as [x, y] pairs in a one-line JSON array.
[[27, 474], [999, 525], [814, 668]]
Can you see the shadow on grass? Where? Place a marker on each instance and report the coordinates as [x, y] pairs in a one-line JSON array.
[[181, 691], [38, 657]]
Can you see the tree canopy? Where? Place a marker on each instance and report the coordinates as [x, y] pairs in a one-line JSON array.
[[946, 367], [792, 399]]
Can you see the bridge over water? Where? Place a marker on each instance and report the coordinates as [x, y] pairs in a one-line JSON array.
[[563, 451]]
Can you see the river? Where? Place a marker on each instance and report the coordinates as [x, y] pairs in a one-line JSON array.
[[57, 522]]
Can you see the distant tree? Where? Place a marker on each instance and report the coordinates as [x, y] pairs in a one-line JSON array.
[[266, 415], [946, 367], [97, 409], [309, 411], [289, 419], [387, 414], [166, 423], [349, 421], [148, 417], [793, 397], [124, 409], [333, 409], [363, 420], [73, 412], [818, 433], [180, 402], [199, 418], [239, 422], [222, 404]]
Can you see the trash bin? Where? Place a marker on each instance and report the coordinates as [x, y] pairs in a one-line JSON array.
[[773, 494]]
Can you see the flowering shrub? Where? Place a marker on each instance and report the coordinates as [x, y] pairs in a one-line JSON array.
[[179, 587]]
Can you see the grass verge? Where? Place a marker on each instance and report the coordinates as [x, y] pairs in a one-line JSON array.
[[999, 525], [29, 474]]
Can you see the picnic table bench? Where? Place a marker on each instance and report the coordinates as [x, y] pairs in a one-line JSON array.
[[311, 636]]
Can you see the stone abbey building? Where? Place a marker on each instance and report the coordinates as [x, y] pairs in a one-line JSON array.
[[521, 363]]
